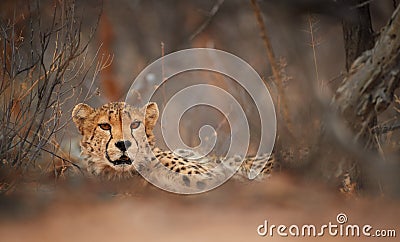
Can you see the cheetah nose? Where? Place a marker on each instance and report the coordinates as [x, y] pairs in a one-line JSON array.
[[123, 145]]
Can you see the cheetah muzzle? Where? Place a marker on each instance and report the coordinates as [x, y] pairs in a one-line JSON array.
[[123, 160]]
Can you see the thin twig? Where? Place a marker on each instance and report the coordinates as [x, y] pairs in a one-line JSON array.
[[211, 15], [274, 65], [59, 157], [360, 5], [314, 44], [385, 129]]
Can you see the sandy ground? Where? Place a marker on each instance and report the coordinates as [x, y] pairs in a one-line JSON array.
[[232, 212]]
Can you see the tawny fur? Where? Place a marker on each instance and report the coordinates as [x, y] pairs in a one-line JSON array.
[[105, 127]]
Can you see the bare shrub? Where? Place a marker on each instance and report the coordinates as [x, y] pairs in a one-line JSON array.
[[44, 61]]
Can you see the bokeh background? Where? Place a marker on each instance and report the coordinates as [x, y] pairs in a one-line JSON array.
[[59, 53]]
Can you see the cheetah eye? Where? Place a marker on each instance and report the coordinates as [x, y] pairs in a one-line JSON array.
[[135, 124], [105, 126]]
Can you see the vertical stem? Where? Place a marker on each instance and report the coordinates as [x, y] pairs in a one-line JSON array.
[[313, 45], [274, 65]]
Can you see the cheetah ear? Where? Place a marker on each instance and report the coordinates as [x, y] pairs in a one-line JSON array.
[[79, 114], [151, 116]]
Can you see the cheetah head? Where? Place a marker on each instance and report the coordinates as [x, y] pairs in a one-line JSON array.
[[115, 136]]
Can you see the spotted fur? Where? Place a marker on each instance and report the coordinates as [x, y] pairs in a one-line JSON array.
[[118, 142]]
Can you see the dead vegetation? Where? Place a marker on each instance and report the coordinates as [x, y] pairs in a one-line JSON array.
[[44, 60]]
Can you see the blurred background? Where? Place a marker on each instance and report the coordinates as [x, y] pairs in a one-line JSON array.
[[55, 54]]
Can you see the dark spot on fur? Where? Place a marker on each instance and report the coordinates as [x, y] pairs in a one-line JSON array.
[[177, 169], [176, 158], [200, 185], [186, 180]]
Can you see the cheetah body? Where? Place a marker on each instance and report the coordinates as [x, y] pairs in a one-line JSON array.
[[118, 142]]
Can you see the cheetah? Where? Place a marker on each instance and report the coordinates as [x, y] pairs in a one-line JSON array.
[[118, 142]]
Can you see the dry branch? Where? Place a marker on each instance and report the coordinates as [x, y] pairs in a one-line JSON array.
[[368, 89], [211, 15], [276, 72]]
